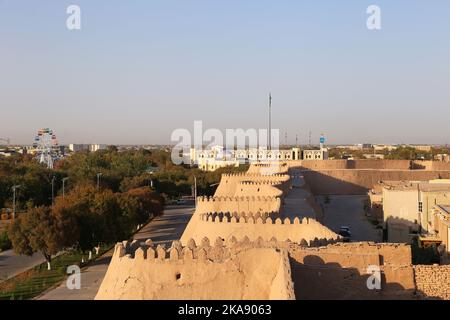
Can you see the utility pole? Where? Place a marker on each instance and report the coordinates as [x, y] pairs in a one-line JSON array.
[[309, 138], [14, 188], [64, 185], [98, 180], [296, 140]]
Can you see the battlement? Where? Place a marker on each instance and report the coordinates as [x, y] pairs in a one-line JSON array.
[[203, 199], [204, 250], [253, 175], [260, 182], [250, 217], [199, 271], [240, 204], [256, 225]]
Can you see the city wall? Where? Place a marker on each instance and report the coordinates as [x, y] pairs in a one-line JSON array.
[[360, 181], [269, 168], [269, 270], [340, 271], [225, 225], [197, 272], [433, 282], [248, 185], [351, 164], [238, 204]]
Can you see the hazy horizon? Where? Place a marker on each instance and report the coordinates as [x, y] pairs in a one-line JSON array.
[[138, 70]]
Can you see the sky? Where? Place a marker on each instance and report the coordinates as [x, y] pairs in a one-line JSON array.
[[137, 70]]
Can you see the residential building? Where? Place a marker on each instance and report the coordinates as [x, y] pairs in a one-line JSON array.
[[408, 205]]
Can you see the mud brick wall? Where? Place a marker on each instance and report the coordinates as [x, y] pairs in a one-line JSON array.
[[432, 282]]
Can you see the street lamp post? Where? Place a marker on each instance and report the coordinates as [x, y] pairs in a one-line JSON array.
[[64, 185], [195, 191], [14, 188], [53, 189], [98, 180]]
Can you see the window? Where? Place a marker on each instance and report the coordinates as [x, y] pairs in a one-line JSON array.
[[420, 206]]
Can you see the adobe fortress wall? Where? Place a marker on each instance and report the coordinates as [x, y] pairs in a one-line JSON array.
[[351, 164], [253, 184], [343, 177], [341, 271], [268, 168], [238, 204], [255, 226], [199, 272], [360, 181]]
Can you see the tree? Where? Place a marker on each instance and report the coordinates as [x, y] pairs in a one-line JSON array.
[[139, 203], [39, 230]]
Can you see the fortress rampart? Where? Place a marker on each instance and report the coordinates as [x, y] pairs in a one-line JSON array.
[[341, 271], [251, 184], [239, 204], [359, 181], [268, 168], [201, 271], [226, 225]]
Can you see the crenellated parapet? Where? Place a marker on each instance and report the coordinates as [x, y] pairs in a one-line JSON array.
[[199, 270], [246, 204], [216, 251], [257, 225], [208, 199], [258, 175], [252, 217]]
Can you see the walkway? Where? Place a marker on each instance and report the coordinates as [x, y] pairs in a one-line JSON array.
[[164, 230]]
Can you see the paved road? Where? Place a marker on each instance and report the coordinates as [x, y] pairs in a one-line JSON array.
[[349, 211], [164, 230], [12, 264], [295, 203]]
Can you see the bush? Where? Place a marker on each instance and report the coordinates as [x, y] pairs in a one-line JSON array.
[[5, 243]]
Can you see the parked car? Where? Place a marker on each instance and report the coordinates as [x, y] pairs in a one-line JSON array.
[[345, 233]]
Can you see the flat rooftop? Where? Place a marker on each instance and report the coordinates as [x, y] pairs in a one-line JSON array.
[[426, 186]]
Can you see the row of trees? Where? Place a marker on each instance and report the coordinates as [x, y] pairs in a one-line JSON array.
[[84, 218], [400, 153], [120, 172], [133, 186]]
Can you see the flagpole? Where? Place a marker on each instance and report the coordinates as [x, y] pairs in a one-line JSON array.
[[270, 124]]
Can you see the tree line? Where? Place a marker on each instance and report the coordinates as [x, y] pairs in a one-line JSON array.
[[106, 195]]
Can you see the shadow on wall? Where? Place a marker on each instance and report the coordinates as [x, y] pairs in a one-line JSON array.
[[325, 184], [359, 181], [315, 279]]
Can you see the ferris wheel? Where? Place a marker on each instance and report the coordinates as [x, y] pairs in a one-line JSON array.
[[46, 146]]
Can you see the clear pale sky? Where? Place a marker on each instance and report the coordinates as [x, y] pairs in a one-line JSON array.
[[139, 69]]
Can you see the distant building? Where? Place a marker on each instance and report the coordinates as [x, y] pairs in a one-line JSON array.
[[373, 156], [86, 147], [442, 157], [423, 148], [216, 157], [96, 147], [320, 154], [384, 147]]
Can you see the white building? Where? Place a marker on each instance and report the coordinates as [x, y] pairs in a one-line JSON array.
[[216, 157], [86, 147]]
